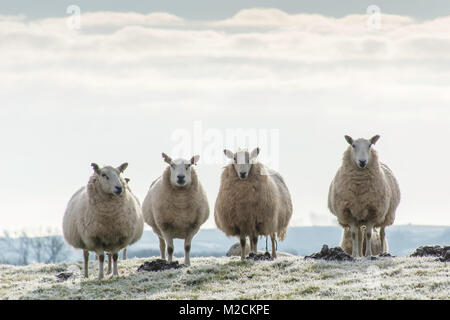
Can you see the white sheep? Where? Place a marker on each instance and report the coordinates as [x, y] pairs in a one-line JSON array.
[[364, 192], [253, 200], [124, 251], [176, 206], [103, 216]]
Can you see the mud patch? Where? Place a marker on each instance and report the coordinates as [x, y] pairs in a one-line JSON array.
[[259, 256], [382, 255], [63, 276], [443, 253], [386, 255], [335, 254], [159, 265]]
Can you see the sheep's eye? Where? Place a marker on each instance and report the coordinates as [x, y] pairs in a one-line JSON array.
[[188, 166], [353, 145], [105, 176]]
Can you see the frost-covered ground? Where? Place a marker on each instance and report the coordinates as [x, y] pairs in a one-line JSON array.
[[229, 278]]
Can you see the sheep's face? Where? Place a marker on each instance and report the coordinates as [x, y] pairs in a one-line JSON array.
[[109, 178], [242, 161], [180, 170], [360, 152]]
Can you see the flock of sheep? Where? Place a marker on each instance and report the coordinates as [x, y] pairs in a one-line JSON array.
[[253, 200]]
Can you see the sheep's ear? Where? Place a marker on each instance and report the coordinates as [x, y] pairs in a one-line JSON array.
[[195, 159], [228, 153], [374, 139], [122, 167], [167, 158], [254, 153], [96, 168], [349, 139]]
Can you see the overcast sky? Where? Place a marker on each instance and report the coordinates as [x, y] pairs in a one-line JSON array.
[[136, 80]]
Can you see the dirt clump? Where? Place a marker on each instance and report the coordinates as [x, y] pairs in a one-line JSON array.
[[331, 254], [259, 256], [63, 276], [443, 253], [386, 255], [159, 265]]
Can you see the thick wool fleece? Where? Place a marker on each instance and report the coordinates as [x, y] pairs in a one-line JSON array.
[[360, 196], [99, 222], [175, 211], [258, 205]]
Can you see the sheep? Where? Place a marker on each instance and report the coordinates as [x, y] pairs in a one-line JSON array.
[[176, 206], [103, 216], [364, 192], [235, 249], [346, 242], [253, 200], [124, 252]]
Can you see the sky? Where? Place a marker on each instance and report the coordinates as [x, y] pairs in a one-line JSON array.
[[125, 82]]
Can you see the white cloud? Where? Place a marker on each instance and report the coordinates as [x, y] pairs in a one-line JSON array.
[[275, 18]]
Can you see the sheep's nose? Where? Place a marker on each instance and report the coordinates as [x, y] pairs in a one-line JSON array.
[[118, 190], [242, 174], [362, 163], [180, 178]]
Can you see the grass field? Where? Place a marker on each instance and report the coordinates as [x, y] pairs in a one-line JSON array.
[[229, 278]]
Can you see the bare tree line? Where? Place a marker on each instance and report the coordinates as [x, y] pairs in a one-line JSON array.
[[22, 249]]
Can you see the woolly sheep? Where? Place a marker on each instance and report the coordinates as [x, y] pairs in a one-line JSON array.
[[103, 216], [364, 192], [253, 200], [124, 252], [176, 205], [347, 245], [235, 249]]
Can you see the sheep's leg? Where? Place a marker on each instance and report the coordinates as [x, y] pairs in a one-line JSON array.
[[383, 240], [86, 262], [361, 242], [170, 249], [355, 240], [162, 248], [108, 271], [101, 259], [273, 238], [243, 242], [124, 254], [187, 250], [254, 244], [368, 238], [115, 257]]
